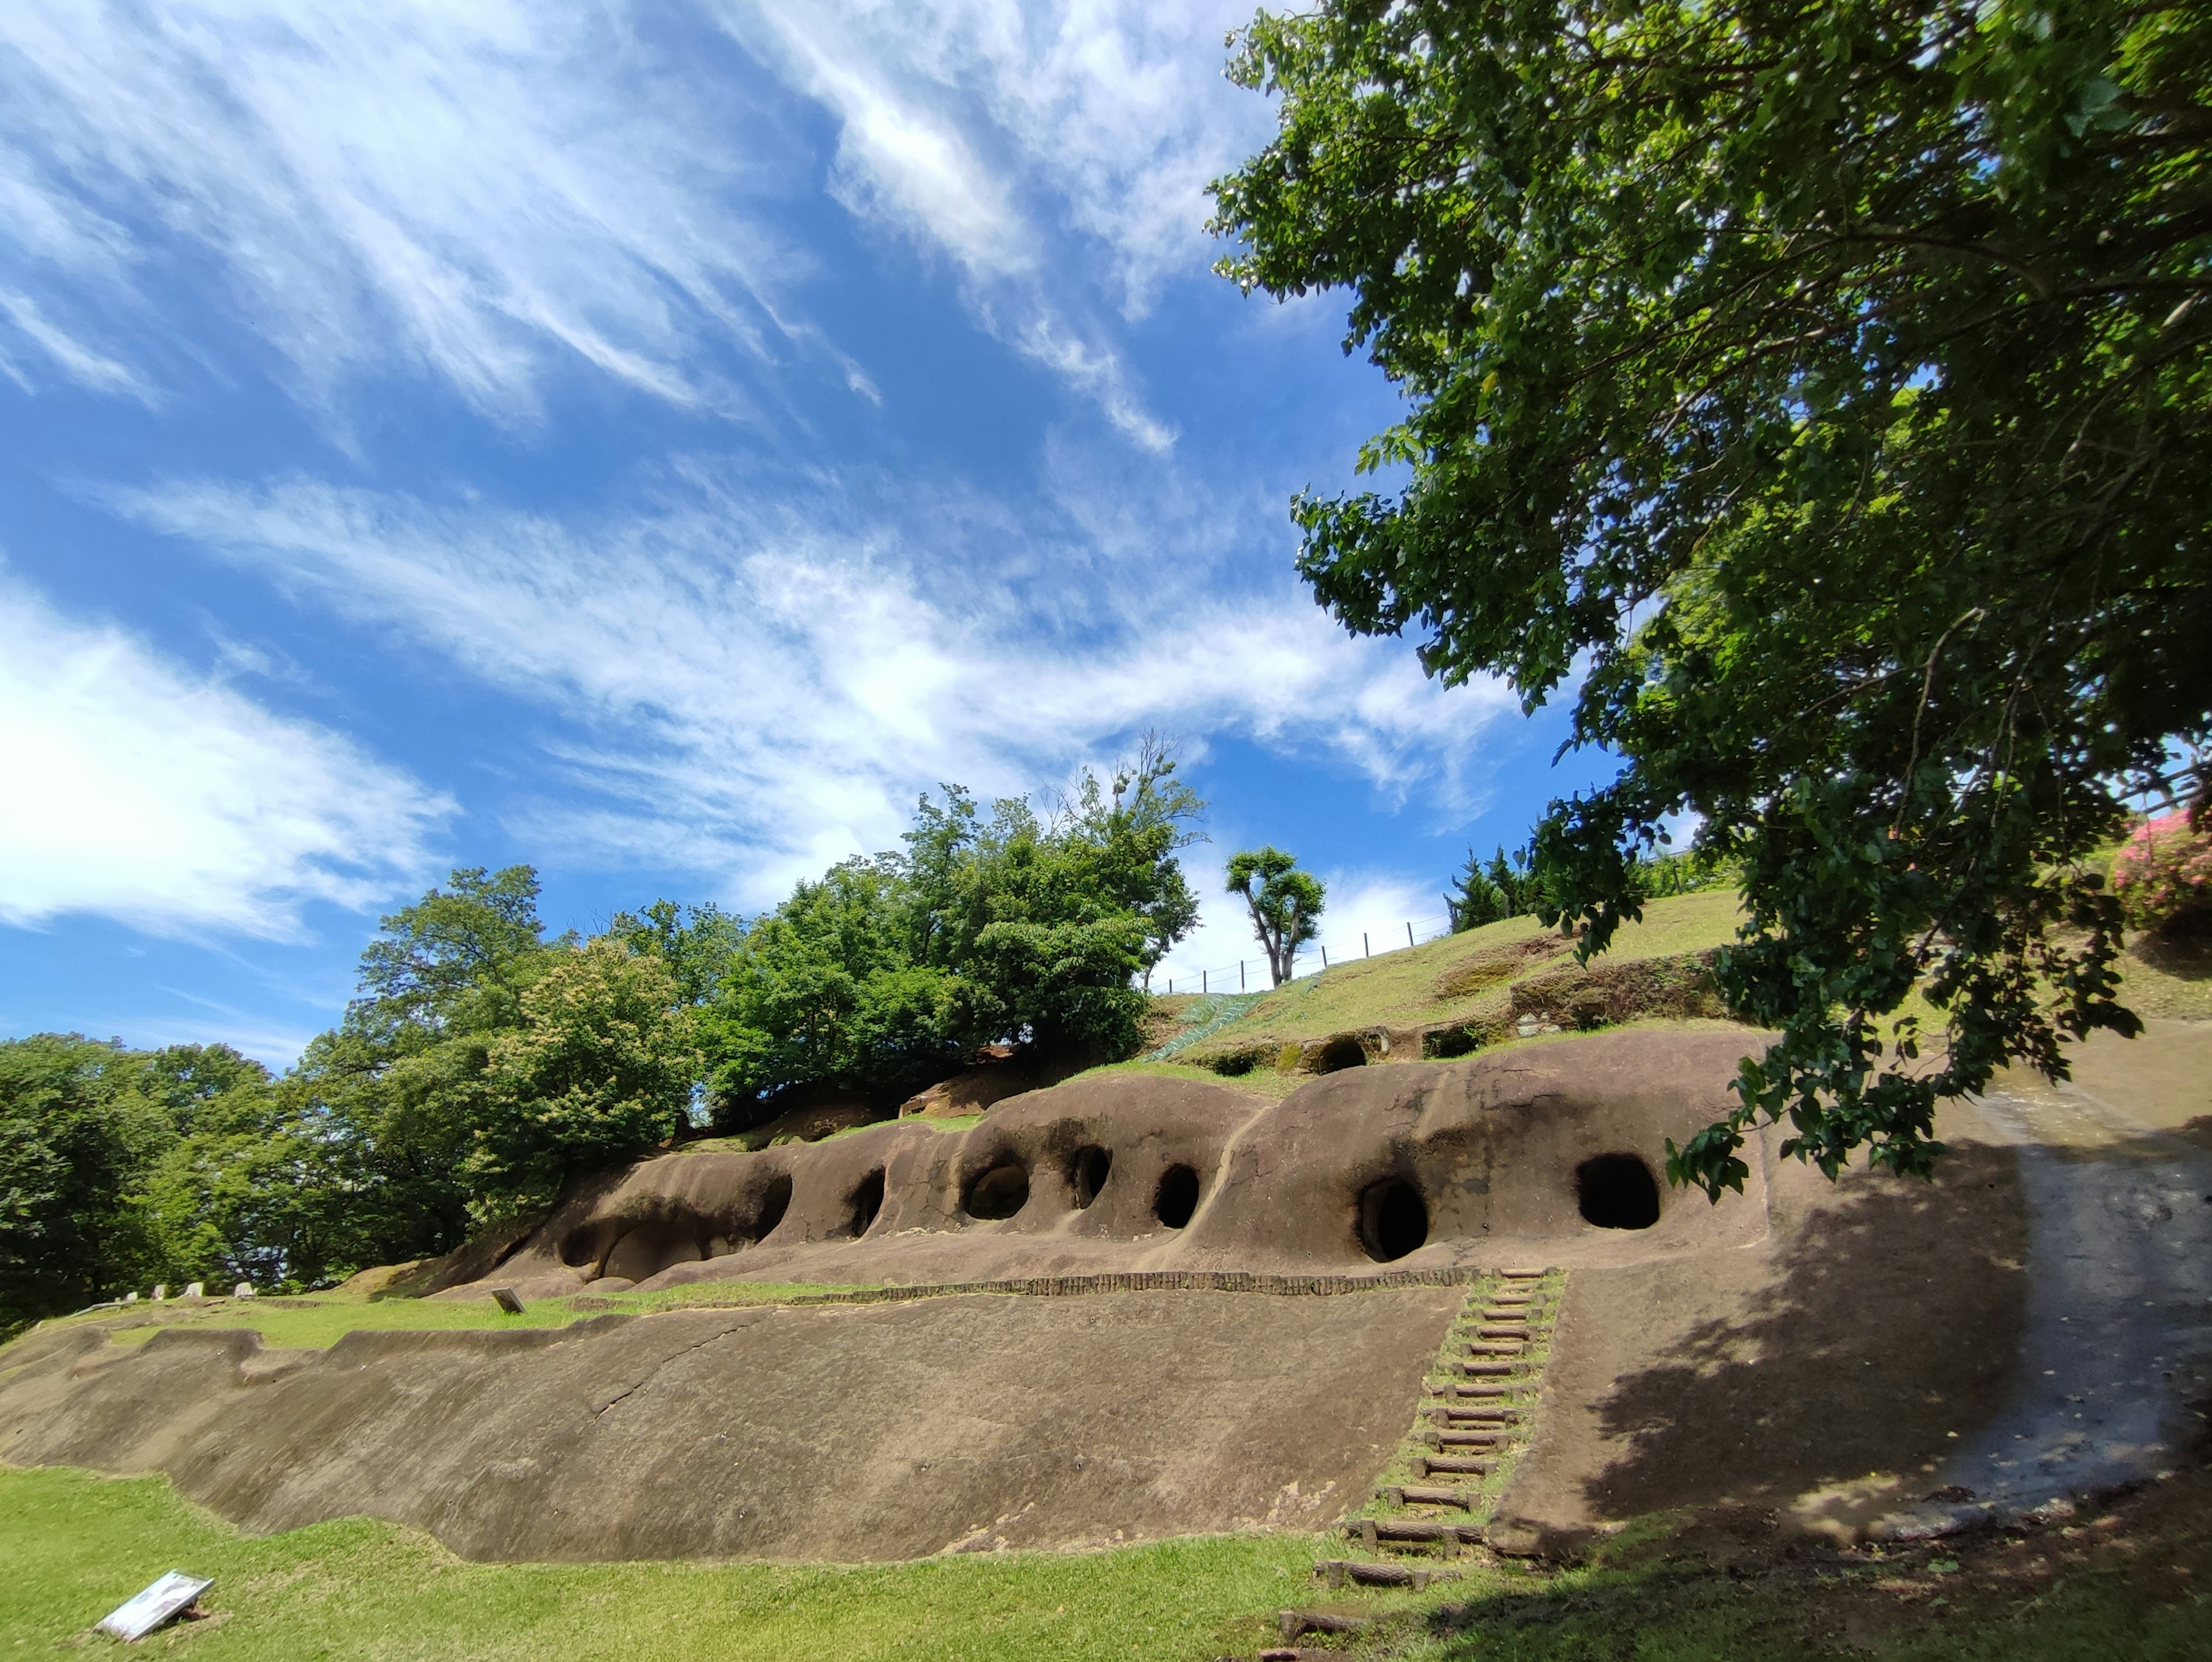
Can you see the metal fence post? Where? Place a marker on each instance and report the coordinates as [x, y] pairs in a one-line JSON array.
[[1365, 951], [1240, 975], [1409, 933]]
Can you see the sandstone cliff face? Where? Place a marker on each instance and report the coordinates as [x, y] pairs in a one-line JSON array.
[[1476, 1162]]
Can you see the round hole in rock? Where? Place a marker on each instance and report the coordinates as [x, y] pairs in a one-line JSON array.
[[998, 1193], [867, 1202], [774, 1202], [652, 1247], [1616, 1191], [584, 1246], [1177, 1197], [1339, 1053], [1394, 1220], [1086, 1173]]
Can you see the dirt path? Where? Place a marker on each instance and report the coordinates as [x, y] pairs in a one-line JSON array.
[[2116, 1358]]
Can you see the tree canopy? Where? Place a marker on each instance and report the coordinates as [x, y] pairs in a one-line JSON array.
[[1826, 385], [889, 972], [1481, 893], [1285, 904]]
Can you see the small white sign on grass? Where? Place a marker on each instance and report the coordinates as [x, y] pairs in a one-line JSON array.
[[137, 1617]]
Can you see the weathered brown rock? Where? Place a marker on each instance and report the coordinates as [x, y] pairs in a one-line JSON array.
[[1488, 1149], [844, 1432]]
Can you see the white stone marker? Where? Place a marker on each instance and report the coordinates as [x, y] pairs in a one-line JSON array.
[[195, 1290], [243, 1290], [160, 1289], [137, 1617], [129, 1298]]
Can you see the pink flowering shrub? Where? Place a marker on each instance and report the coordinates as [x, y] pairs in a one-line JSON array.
[[2164, 873]]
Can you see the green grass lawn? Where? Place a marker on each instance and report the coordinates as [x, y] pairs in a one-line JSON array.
[[76, 1545]]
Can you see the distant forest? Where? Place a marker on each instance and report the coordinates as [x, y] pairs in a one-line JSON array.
[[484, 1063]]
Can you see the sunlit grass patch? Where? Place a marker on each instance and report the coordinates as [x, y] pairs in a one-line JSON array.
[[76, 1545]]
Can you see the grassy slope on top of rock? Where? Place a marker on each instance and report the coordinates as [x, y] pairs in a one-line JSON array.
[[1414, 987], [1401, 988]]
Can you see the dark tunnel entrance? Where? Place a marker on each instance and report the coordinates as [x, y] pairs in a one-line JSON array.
[[774, 1202], [1335, 1055], [1394, 1220], [998, 1193], [1087, 1173], [1177, 1197], [1616, 1191], [867, 1200]]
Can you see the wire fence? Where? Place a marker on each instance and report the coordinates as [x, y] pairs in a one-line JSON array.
[[1250, 974]]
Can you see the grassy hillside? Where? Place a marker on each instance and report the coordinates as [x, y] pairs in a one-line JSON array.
[[1477, 977], [1458, 979], [1404, 988]]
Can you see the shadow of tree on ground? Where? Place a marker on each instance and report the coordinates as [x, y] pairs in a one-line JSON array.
[[1896, 1319]]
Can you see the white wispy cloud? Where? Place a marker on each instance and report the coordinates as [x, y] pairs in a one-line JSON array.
[[476, 193], [991, 130], [766, 690], [1109, 115], [473, 191], [147, 793]]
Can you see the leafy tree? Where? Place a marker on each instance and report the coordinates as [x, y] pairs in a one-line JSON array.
[[1135, 833], [400, 1085], [696, 943], [1685, 871], [1285, 903], [254, 1190], [1830, 380], [889, 972], [458, 958], [827, 991], [599, 1069], [1474, 898], [77, 1132], [1506, 887]]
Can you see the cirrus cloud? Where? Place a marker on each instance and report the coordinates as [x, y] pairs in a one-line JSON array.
[[142, 791]]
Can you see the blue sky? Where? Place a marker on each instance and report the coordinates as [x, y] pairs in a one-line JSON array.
[[654, 442]]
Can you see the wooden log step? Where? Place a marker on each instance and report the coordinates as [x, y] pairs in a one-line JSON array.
[[1455, 1464], [1376, 1531], [1293, 1624], [1479, 1391], [1420, 1494], [1337, 1571], [1486, 1370], [1524, 1275], [1511, 1297], [1488, 1416], [1462, 1439], [1507, 1313], [1493, 1349], [1502, 1331]]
